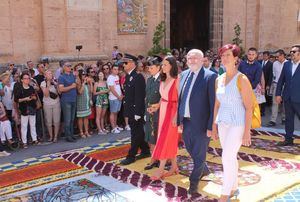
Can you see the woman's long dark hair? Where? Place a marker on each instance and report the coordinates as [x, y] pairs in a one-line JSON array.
[[174, 68]]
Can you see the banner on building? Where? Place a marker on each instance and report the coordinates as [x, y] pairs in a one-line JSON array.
[[132, 16]]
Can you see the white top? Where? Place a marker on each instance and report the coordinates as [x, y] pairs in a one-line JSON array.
[[187, 103], [48, 100], [7, 97], [113, 80], [295, 65], [277, 68], [231, 110]]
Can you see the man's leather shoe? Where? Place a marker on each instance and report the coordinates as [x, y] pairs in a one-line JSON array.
[[152, 165], [271, 124], [127, 161], [142, 156], [286, 143], [283, 121], [69, 139], [205, 173], [74, 138], [193, 189]]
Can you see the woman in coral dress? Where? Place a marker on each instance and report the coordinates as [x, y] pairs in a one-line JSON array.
[[167, 142]]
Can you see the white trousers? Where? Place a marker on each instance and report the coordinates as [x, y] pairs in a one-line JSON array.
[[5, 130], [24, 124], [231, 140]]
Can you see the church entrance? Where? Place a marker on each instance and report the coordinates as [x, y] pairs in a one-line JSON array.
[[189, 24]]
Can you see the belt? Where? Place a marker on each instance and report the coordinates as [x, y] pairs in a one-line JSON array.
[[187, 118]]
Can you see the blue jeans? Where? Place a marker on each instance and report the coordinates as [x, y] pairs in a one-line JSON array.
[[69, 112]]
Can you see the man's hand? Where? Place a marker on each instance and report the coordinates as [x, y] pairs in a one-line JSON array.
[[120, 97], [209, 133], [278, 99], [136, 117]]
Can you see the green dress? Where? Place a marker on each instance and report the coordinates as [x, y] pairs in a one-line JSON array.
[[83, 103], [102, 99]]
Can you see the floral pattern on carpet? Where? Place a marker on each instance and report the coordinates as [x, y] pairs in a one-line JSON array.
[[186, 165], [80, 190], [271, 145]]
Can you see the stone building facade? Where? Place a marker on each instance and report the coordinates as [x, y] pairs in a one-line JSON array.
[[32, 29]]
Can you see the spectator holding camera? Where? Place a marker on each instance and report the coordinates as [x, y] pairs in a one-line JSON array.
[[26, 98], [51, 105]]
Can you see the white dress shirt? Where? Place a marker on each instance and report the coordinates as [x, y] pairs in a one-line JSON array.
[[294, 67], [187, 103], [277, 68]]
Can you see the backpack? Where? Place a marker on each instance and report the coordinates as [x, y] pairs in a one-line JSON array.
[[256, 118]]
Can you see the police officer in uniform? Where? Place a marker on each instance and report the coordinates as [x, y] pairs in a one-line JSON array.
[[152, 97], [134, 109]]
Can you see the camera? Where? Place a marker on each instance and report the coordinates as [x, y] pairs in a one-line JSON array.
[[78, 47]]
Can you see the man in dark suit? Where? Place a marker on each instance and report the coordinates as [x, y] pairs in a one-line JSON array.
[[134, 109], [268, 74], [195, 113], [289, 81]]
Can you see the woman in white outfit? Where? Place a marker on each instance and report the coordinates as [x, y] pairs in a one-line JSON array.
[[232, 118]]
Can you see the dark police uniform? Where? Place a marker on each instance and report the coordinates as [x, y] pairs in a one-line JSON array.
[[134, 104], [152, 97]]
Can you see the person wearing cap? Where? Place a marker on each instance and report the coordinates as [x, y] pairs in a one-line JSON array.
[[152, 97], [134, 109]]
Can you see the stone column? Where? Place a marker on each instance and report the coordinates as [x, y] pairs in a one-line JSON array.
[[167, 21], [216, 24], [54, 22]]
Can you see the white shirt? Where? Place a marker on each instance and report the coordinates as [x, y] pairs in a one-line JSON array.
[[156, 76], [113, 80], [7, 98], [277, 68], [48, 100], [187, 103], [294, 67], [264, 62]]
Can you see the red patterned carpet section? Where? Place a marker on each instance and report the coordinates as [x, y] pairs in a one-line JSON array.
[[139, 180]]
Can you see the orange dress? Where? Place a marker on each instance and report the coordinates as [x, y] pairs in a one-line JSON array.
[[167, 141]]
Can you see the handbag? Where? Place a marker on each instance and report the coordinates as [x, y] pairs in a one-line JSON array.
[[52, 95], [256, 118], [38, 102]]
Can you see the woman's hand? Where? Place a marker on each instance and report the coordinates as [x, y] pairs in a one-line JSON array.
[[174, 121], [246, 139], [214, 132]]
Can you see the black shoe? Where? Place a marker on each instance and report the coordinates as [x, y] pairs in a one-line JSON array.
[[142, 156], [69, 139], [283, 121], [271, 123], [262, 114], [74, 138], [205, 173], [286, 143], [152, 165], [193, 189], [127, 161]]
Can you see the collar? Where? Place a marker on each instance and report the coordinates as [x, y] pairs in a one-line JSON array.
[[156, 76], [197, 71], [265, 61], [251, 63], [297, 63], [129, 73]]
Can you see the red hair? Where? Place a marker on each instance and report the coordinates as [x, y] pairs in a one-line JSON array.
[[233, 47]]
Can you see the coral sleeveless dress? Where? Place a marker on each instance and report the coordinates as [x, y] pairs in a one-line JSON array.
[[167, 142]]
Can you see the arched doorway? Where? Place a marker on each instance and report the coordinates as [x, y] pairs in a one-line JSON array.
[[189, 24]]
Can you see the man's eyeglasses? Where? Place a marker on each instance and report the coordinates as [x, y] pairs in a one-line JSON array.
[[293, 52], [68, 65], [11, 65]]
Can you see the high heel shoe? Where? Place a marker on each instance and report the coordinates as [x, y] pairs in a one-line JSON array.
[[161, 176], [234, 194], [172, 172]]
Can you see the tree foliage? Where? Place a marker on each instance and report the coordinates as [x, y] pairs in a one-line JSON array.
[[158, 36]]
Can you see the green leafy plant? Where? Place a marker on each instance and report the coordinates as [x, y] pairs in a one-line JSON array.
[[159, 34], [237, 40]]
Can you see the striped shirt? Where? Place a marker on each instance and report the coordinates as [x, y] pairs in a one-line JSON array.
[[231, 110]]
